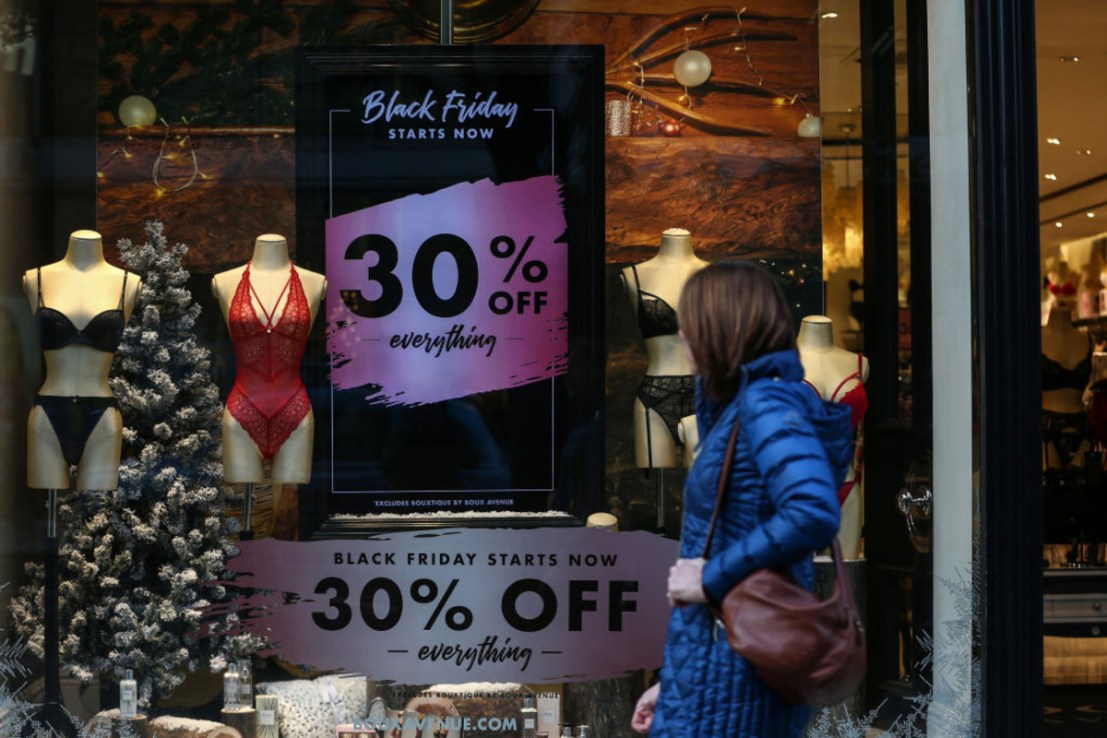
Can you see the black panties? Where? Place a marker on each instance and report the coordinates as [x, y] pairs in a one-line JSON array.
[[672, 398], [1066, 433], [73, 419]]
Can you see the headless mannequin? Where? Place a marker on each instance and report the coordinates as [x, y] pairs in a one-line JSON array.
[[1065, 435], [661, 278], [1068, 346], [1061, 290], [1090, 286], [81, 286], [270, 269], [689, 433], [825, 366]]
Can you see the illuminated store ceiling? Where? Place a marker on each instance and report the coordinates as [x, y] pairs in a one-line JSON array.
[[1072, 144]]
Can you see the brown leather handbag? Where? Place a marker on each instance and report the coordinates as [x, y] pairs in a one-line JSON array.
[[810, 651]]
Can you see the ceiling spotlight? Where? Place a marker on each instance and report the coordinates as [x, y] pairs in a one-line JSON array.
[[1051, 177], [1059, 224], [1090, 215], [829, 16], [1083, 152], [1069, 58], [1054, 141]]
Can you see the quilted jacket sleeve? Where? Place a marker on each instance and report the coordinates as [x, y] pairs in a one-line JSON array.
[[798, 480]]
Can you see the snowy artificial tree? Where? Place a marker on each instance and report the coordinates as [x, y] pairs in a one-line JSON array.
[[139, 564]]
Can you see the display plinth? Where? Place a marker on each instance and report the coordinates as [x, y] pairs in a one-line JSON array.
[[135, 727], [245, 721]]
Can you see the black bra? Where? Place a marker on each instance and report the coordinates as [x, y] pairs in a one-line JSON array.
[[56, 331], [655, 316], [1055, 376]]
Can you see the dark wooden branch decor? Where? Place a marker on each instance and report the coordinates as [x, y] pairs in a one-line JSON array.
[[733, 63]]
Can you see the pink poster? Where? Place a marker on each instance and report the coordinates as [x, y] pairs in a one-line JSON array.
[[461, 291], [546, 604]]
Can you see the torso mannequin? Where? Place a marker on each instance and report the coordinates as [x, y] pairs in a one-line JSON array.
[[839, 376], [1070, 350], [1066, 369], [1090, 286], [689, 432], [666, 393], [81, 305], [269, 306]]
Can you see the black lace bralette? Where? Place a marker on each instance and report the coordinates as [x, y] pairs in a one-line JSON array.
[[655, 316]]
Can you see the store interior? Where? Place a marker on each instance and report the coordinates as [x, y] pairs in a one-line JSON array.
[[1071, 60], [1071, 57]]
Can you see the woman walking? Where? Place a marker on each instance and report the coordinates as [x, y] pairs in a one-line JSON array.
[[780, 502]]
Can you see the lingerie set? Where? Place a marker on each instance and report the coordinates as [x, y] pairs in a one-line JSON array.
[[268, 398], [73, 418], [672, 397], [1065, 432], [857, 400]]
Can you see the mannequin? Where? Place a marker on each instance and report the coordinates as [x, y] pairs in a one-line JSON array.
[[838, 375], [1090, 285], [268, 415], [1066, 369], [1060, 288], [81, 306], [666, 392], [689, 432]]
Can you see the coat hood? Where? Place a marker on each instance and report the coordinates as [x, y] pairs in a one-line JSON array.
[[831, 420]]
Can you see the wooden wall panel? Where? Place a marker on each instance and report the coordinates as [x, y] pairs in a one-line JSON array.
[[247, 188], [643, 168], [753, 198]]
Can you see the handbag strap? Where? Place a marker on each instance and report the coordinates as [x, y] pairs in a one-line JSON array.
[[721, 489], [835, 548]]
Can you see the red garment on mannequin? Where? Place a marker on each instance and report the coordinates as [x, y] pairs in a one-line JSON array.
[[857, 400], [268, 398]]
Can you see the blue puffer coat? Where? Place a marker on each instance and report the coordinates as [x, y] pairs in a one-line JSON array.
[[781, 505]]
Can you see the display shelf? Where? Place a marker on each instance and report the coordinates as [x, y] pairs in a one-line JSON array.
[[1075, 602], [1096, 326]]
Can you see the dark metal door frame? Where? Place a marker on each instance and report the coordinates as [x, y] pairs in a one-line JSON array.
[[1003, 103]]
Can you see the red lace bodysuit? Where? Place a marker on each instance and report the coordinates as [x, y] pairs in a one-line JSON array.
[[268, 398], [857, 400]]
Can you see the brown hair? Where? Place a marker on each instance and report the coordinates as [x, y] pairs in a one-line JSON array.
[[731, 313]]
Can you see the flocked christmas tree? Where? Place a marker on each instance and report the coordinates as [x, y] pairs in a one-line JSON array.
[[139, 564]]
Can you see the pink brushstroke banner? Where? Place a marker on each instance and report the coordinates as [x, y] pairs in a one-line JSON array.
[[513, 331], [547, 604]]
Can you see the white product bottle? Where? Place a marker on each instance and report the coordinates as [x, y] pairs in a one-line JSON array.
[[245, 684], [230, 687], [128, 697]]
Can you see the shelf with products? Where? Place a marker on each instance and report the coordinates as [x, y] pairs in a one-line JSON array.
[[1095, 326]]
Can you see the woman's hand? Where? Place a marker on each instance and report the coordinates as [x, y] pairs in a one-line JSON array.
[[643, 711], [686, 582]]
